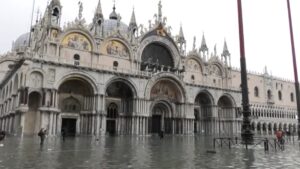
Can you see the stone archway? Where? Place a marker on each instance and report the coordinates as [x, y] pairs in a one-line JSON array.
[[119, 104], [32, 122], [226, 115], [161, 118], [76, 102], [167, 95], [203, 109]]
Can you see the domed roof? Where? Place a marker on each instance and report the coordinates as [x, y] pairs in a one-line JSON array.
[[112, 24], [113, 15], [21, 42]]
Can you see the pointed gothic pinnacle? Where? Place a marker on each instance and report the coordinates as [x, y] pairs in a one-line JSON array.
[[99, 8], [181, 32], [181, 38], [203, 44], [225, 49], [133, 20]]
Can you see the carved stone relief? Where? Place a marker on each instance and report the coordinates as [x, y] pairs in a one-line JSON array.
[[36, 80], [214, 70], [193, 65], [51, 73]]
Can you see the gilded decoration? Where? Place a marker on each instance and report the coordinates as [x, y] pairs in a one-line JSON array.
[[165, 89], [117, 48], [77, 41]]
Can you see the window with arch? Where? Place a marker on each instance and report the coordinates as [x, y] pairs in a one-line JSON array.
[[279, 95], [112, 110], [256, 91], [76, 60], [292, 97]]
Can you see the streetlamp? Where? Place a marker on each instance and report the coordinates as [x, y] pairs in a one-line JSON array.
[[247, 135], [295, 66]]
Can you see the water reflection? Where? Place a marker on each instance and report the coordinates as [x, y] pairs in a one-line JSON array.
[[138, 152]]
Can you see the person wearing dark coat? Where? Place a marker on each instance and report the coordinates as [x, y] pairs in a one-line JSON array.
[[2, 135], [42, 135]]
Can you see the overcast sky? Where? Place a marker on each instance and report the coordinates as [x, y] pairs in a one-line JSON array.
[[267, 39]]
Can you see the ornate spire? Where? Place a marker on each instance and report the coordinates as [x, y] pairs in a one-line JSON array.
[[99, 10], [98, 20], [226, 54], [225, 50], [203, 46], [114, 15], [181, 39], [132, 23]]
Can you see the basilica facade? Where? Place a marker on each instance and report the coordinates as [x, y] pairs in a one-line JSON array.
[[108, 77]]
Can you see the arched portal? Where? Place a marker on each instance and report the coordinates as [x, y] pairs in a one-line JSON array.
[[203, 110], [226, 114], [166, 96], [119, 98], [32, 124], [76, 102], [161, 118]]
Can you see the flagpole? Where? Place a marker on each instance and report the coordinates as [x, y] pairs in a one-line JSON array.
[[247, 134], [33, 4], [295, 66]]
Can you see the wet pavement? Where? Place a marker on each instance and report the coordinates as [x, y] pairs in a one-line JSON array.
[[141, 152]]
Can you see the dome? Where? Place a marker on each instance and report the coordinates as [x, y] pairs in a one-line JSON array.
[[21, 42], [111, 25]]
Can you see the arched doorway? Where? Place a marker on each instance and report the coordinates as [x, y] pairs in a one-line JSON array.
[[76, 102], [203, 109], [166, 95], [119, 98], [226, 115], [112, 114], [160, 121], [32, 124]]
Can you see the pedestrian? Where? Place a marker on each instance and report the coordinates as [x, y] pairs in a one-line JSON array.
[[2, 135], [161, 134], [42, 135], [63, 134], [279, 136]]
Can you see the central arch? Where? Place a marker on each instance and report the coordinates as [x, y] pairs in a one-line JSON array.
[[161, 119], [119, 104], [76, 103]]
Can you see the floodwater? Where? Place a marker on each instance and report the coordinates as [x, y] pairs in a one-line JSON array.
[[140, 152]]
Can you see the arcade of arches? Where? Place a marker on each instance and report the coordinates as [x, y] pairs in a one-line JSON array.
[[77, 109]]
